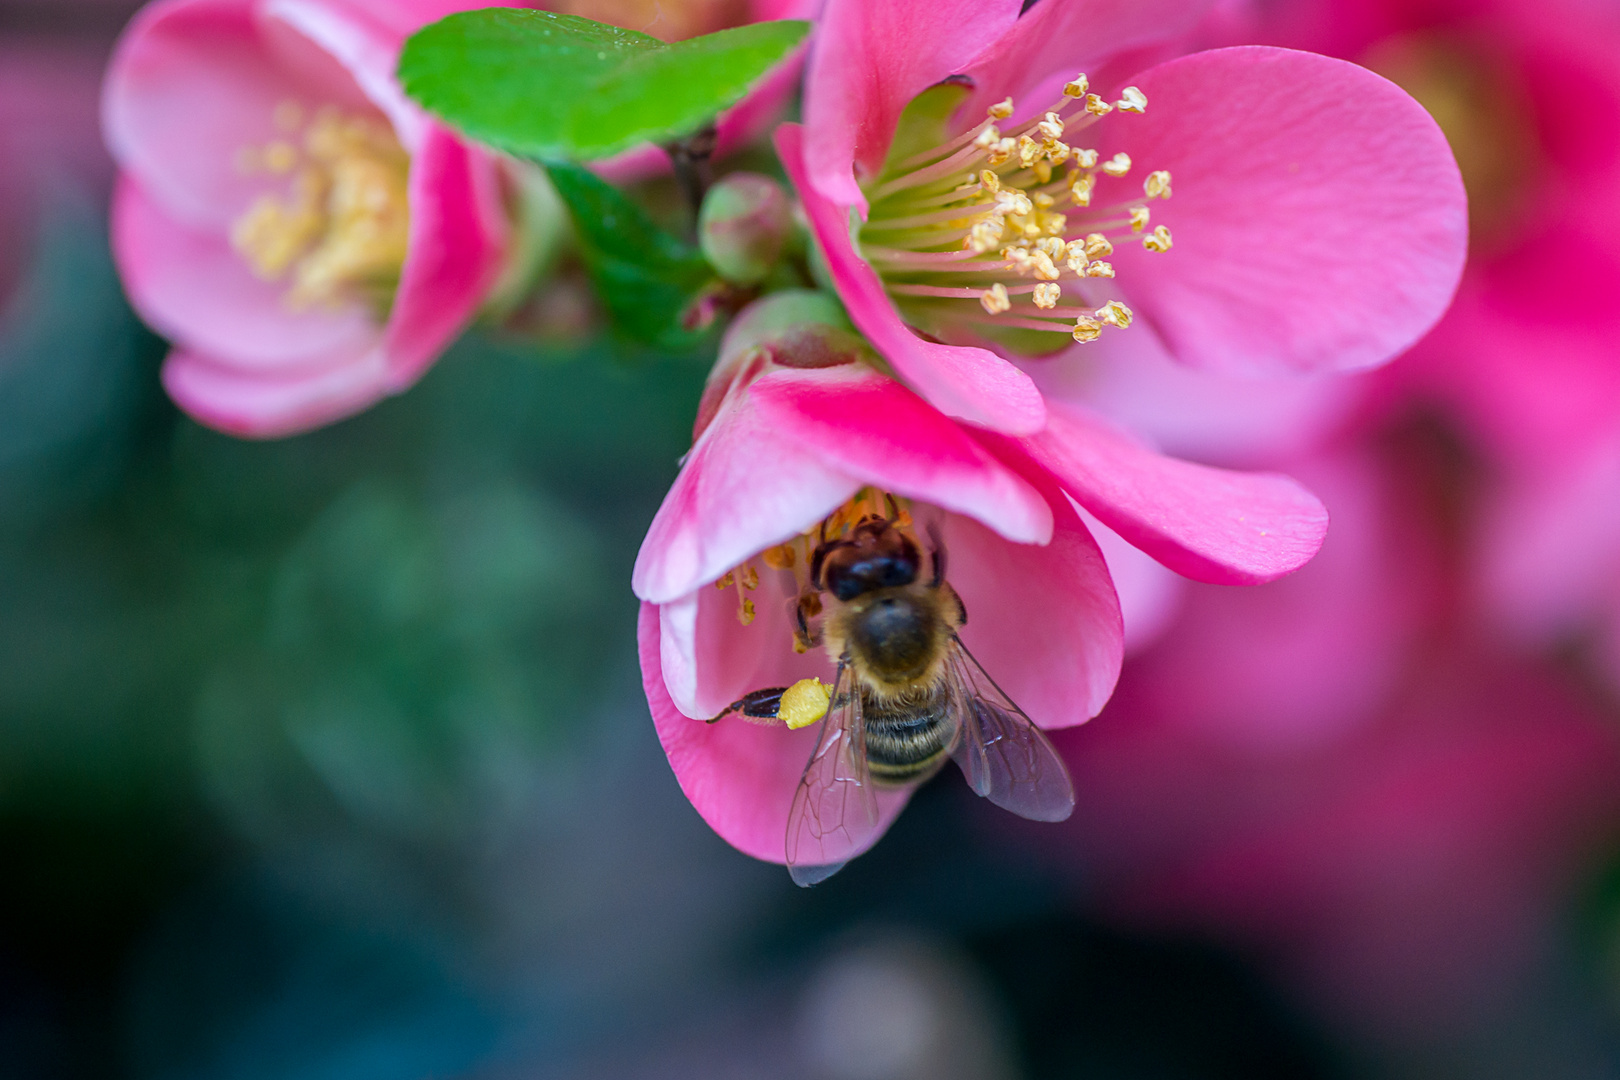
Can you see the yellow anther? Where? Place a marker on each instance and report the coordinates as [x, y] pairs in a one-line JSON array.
[[1118, 165], [1098, 246], [1139, 218], [803, 703], [1086, 329], [1086, 159], [988, 137], [1131, 100], [1077, 87], [1054, 248], [1057, 152], [1001, 109], [1043, 171], [1041, 265], [726, 582], [1002, 151], [1047, 295], [1053, 224], [750, 578], [1081, 188], [984, 235], [1029, 151], [1157, 240], [1043, 201], [991, 181], [994, 299], [745, 614], [1010, 200], [1157, 184], [1096, 106], [1075, 256], [1050, 129], [780, 557], [1115, 313], [1100, 269], [279, 158]]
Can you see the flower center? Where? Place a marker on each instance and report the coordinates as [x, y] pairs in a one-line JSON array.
[[1012, 230], [339, 230]]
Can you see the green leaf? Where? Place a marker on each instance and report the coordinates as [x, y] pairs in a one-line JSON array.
[[646, 278], [548, 86]]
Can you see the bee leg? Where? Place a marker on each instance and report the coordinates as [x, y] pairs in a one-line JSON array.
[[807, 607], [759, 705]]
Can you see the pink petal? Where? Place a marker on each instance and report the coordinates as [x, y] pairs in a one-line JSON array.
[[1054, 42], [458, 239], [267, 404], [1214, 525], [868, 426], [367, 50], [190, 85], [739, 776], [191, 287], [1043, 621], [1319, 219], [745, 487], [867, 62], [973, 384]]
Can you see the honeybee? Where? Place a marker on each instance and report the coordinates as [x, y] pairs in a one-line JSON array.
[[907, 695]]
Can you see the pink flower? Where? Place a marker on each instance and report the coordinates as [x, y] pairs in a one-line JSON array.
[[309, 240], [797, 433], [1318, 221]]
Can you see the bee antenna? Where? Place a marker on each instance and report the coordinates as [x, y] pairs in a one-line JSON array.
[[938, 542], [894, 507]]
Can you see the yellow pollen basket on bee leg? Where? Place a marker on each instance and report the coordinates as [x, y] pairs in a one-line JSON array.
[[341, 230], [804, 703]]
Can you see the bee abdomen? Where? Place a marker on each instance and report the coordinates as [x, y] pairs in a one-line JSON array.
[[906, 742]]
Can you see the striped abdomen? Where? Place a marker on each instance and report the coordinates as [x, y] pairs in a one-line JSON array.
[[907, 739]]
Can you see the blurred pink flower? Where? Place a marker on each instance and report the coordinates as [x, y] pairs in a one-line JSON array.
[[789, 434], [309, 239], [1318, 221], [1335, 773], [1525, 362]]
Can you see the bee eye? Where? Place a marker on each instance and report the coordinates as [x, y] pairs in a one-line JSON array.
[[878, 572]]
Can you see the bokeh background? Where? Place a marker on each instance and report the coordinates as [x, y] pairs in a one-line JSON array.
[[326, 758]]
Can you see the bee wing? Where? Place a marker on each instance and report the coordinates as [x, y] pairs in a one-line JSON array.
[[835, 810], [1004, 756]]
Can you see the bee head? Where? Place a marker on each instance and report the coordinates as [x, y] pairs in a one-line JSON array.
[[875, 556]]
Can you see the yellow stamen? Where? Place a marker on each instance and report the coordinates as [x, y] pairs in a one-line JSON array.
[[1098, 246], [1132, 100], [1078, 87], [1118, 165], [1086, 329], [994, 299], [1157, 184], [1047, 295], [1082, 187], [780, 557], [1100, 270], [1115, 313], [1096, 106], [1086, 159], [1001, 109], [1139, 218], [1158, 240], [342, 229]]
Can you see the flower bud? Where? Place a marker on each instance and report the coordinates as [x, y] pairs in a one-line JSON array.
[[743, 226], [794, 328]]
